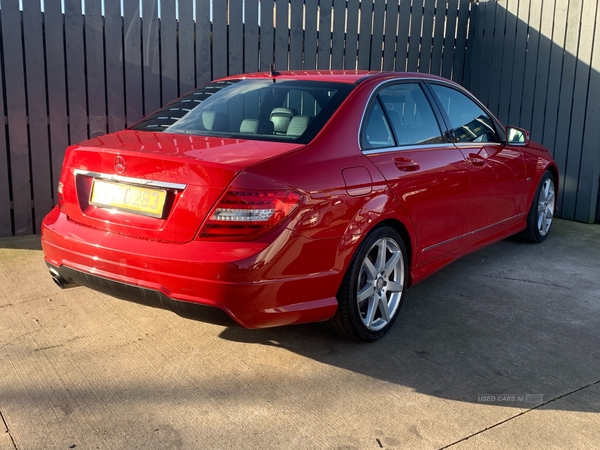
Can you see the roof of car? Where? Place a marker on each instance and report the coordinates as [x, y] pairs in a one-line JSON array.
[[338, 76]]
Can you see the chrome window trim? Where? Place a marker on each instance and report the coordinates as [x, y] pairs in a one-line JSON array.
[[376, 151], [128, 180], [446, 83]]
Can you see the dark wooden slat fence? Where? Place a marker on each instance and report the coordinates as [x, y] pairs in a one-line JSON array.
[[296, 33], [99, 66], [6, 209], [351, 37], [58, 132], [187, 71], [40, 162], [69, 75], [115, 81], [203, 39], [18, 159], [537, 65], [168, 52]]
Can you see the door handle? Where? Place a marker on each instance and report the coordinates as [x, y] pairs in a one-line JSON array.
[[476, 160], [406, 165]]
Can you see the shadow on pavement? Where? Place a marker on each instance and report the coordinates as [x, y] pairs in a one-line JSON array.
[[514, 322]]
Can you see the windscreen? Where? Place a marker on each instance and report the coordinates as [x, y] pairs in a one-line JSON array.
[[264, 109]]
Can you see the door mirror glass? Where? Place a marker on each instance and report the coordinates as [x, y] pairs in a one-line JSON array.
[[517, 136]]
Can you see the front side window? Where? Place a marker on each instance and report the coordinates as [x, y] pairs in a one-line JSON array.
[[469, 122], [263, 109]]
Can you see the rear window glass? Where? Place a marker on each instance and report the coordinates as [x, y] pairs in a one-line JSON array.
[[268, 109]]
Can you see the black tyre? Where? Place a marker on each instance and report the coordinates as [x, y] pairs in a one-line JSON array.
[[541, 213], [373, 287]]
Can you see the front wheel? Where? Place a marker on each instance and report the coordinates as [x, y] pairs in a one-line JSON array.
[[541, 213], [373, 287]]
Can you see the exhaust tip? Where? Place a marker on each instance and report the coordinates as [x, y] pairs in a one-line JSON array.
[[60, 281]]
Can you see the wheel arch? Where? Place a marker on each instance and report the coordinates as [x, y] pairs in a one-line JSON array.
[[347, 318], [554, 171], [392, 215], [545, 166]]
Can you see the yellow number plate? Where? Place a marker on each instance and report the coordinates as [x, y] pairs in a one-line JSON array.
[[149, 202]]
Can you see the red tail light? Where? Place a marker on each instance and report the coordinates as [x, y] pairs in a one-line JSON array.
[[244, 215]]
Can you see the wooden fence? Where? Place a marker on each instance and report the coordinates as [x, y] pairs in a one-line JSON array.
[[537, 64], [68, 75]]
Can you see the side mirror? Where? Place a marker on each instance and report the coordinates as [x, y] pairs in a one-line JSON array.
[[517, 136]]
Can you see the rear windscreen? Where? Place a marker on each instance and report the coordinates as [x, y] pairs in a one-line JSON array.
[[267, 109]]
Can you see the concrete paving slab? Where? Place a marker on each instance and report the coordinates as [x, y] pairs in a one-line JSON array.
[[501, 343], [557, 425]]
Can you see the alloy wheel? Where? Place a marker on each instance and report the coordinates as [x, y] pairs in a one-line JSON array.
[[380, 284], [545, 209]]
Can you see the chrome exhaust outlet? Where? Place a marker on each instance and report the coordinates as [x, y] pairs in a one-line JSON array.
[[60, 281]]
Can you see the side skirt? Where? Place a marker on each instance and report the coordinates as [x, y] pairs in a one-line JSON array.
[[422, 271]]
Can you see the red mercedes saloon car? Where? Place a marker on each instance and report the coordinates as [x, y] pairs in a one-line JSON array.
[[295, 197]]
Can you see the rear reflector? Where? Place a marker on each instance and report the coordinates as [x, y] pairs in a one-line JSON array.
[[243, 215]]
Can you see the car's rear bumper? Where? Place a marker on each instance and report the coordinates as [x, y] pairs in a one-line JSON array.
[[260, 284]]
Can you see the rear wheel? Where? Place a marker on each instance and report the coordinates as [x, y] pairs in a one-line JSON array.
[[541, 213], [373, 287]]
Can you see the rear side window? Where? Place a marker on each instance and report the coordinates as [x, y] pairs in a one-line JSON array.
[[377, 132], [469, 122], [263, 109]]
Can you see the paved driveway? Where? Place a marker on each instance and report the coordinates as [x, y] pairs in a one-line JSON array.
[[499, 350]]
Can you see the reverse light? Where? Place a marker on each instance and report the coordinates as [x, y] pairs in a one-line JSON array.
[[248, 214]]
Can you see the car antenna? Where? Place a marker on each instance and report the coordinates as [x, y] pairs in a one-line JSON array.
[[274, 73]]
